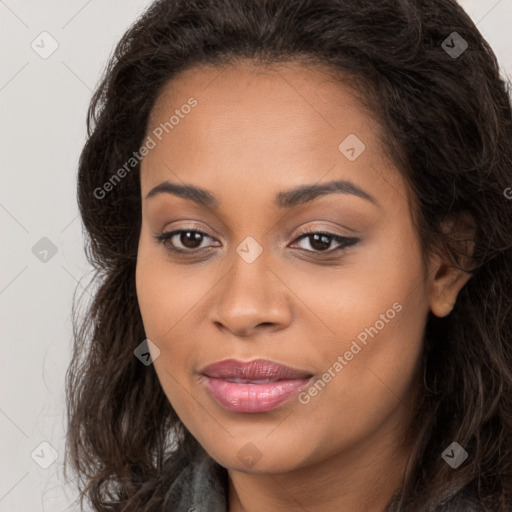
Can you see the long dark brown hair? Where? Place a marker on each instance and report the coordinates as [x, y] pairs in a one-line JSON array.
[[447, 124]]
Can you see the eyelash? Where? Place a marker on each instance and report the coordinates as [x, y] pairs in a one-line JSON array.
[[344, 241]]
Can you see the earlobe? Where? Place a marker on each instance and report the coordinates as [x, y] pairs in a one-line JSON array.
[[448, 282]]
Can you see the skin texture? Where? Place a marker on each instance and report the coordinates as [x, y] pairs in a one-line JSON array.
[[254, 133]]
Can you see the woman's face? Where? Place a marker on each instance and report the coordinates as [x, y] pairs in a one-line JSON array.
[[348, 314]]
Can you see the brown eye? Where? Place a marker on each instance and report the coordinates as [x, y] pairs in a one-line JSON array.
[[183, 240], [190, 239], [321, 241]]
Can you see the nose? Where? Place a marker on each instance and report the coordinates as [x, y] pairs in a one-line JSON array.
[[250, 299]]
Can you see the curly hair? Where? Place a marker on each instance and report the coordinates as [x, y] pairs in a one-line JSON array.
[[447, 125]]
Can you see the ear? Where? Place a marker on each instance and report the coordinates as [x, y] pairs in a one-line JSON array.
[[448, 268]]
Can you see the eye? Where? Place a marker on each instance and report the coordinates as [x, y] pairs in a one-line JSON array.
[[319, 241], [189, 239]]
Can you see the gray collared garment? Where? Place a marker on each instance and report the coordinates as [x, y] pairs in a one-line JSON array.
[[202, 486]]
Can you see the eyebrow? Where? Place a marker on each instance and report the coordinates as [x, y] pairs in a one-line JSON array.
[[285, 199]]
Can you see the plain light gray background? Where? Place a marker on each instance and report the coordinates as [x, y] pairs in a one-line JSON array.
[[43, 105]]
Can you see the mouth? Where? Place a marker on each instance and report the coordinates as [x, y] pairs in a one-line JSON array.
[[254, 386]]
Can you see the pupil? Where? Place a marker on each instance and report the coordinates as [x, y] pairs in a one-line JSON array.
[[320, 245], [190, 243]]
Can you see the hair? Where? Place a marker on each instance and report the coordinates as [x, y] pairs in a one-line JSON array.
[[446, 124]]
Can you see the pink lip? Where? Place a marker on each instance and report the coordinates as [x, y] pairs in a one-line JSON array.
[[248, 395]]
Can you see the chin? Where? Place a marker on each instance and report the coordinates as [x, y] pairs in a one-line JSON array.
[[253, 458]]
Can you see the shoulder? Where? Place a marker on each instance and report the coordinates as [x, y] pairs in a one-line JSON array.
[[467, 501]]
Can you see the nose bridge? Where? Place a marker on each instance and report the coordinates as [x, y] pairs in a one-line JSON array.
[[248, 280], [250, 294]]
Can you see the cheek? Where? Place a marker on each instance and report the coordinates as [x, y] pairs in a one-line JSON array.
[[171, 300], [376, 309], [163, 302], [351, 297], [165, 292], [367, 371], [381, 323]]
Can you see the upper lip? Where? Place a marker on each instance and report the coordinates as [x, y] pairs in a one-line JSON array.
[[257, 369]]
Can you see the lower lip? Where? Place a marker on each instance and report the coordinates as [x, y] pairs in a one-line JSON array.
[[253, 397]]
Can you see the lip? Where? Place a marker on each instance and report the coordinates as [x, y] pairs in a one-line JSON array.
[[256, 369], [254, 386]]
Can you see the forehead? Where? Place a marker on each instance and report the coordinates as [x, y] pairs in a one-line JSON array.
[[255, 97], [285, 125]]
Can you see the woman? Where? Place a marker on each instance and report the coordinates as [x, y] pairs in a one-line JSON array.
[[299, 218]]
